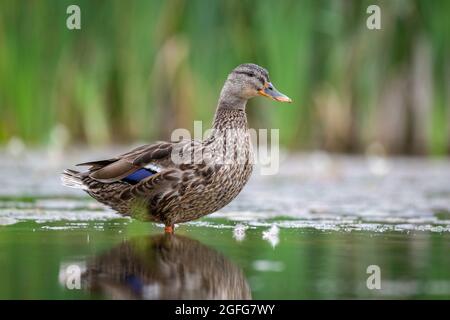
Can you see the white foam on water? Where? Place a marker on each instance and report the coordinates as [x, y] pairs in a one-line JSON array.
[[42, 215], [272, 235], [239, 232], [6, 221]]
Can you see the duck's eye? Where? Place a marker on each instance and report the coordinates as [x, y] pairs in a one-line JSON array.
[[248, 74]]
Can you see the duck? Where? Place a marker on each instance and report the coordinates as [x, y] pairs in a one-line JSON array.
[[161, 267], [172, 182]]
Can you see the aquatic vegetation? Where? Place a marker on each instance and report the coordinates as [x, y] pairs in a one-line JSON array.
[[135, 70]]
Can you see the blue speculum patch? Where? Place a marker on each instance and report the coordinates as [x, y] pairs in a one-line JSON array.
[[138, 175]]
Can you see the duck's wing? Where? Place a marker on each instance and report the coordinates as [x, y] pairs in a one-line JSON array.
[[132, 166]]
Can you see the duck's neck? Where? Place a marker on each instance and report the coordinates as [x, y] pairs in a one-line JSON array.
[[230, 113]]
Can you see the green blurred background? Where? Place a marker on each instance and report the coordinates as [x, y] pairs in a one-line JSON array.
[[138, 69]]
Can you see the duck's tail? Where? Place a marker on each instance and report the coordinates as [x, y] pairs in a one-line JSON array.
[[73, 179]]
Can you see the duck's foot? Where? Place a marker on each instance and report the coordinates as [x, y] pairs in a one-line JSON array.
[[169, 229]]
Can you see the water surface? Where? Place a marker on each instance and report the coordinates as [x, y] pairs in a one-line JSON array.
[[310, 231]]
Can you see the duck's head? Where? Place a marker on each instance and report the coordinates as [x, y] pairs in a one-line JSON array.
[[250, 80]]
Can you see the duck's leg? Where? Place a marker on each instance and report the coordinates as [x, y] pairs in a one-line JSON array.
[[169, 229]]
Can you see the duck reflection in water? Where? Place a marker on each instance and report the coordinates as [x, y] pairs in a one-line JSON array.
[[164, 267]]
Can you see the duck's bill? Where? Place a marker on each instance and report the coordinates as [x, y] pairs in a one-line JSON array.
[[272, 93]]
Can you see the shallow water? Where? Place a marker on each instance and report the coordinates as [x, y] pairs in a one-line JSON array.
[[311, 231]]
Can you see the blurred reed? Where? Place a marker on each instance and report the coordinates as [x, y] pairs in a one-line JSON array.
[[137, 69]]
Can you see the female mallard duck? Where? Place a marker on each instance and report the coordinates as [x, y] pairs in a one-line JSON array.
[[173, 182]]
